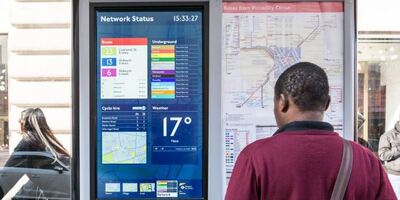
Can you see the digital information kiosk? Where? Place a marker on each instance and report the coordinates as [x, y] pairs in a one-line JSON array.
[[141, 87], [149, 95]]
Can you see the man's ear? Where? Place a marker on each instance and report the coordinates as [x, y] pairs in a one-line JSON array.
[[284, 103], [328, 103]]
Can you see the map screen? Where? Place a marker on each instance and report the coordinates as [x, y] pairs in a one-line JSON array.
[[149, 98]]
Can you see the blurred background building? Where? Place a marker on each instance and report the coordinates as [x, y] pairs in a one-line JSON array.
[[35, 66]]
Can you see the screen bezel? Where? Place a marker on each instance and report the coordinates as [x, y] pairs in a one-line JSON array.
[[151, 6]]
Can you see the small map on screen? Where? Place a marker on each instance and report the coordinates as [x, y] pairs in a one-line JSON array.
[[124, 148]]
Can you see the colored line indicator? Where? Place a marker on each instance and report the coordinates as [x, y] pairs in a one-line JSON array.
[[163, 71], [163, 55], [108, 51], [109, 62], [108, 72]]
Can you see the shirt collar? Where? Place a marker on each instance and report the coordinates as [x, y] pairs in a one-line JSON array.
[[305, 125]]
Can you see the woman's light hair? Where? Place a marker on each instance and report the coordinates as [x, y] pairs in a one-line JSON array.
[[35, 127]]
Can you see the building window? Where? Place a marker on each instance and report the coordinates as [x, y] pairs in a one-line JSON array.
[[378, 85]]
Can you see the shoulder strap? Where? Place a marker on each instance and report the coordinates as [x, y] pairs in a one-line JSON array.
[[344, 172]]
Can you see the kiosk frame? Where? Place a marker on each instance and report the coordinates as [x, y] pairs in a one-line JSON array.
[[81, 168]]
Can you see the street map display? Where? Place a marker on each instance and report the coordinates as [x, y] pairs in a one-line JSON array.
[[260, 41]]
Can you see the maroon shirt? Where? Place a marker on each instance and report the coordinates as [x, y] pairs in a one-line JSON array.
[[302, 162]]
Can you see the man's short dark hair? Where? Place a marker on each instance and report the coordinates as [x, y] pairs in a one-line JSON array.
[[306, 84]]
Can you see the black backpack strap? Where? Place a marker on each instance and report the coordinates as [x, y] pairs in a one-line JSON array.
[[343, 176]]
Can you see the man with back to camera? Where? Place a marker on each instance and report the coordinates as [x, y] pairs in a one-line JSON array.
[[302, 159], [389, 153]]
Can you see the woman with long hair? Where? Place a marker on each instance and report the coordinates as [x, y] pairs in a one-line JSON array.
[[37, 135]]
